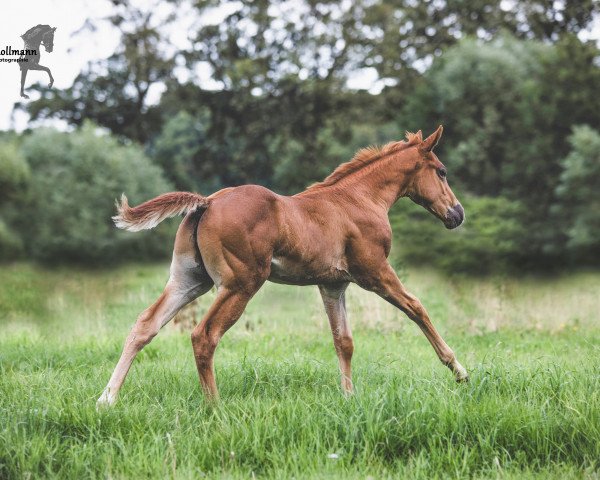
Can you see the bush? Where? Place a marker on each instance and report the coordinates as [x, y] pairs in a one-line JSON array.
[[14, 176], [577, 207], [75, 180], [11, 246], [14, 171], [489, 240]]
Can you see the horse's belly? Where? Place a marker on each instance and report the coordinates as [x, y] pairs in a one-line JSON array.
[[289, 272]]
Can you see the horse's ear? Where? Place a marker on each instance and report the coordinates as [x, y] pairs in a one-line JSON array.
[[54, 29], [414, 137], [432, 140]]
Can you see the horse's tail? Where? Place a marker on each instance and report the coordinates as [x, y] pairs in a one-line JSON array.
[[149, 214]]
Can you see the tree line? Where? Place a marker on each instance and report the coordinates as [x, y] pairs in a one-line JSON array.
[[515, 87]]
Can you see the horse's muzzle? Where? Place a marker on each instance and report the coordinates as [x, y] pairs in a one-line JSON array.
[[454, 216]]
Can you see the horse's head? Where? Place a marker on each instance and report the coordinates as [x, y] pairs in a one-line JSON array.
[[48, 39], [429, 187]]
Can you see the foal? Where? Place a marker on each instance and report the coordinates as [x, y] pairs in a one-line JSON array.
[[333, 233]]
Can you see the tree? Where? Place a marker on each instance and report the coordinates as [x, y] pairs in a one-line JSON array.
[[577, 208], [481, 94], [280, 75], [181, 150]]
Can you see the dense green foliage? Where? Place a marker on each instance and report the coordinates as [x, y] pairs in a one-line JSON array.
[[578, 202], [14, 176], [531, 410], [75, 179], [485, 244], [14, 171], [179, 151]]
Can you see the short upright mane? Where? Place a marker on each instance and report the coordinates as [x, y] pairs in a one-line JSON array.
[[366, 156]]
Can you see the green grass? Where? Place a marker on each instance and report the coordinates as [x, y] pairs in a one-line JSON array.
[[531, 410]]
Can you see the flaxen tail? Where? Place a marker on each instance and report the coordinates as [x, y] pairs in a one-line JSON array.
[[149, 214]]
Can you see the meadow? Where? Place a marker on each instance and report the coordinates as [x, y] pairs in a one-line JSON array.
[[531, 409]]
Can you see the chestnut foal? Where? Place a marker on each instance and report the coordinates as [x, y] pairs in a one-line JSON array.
[[335, 232]]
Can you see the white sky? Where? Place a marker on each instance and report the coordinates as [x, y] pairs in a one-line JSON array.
[[71, 54]]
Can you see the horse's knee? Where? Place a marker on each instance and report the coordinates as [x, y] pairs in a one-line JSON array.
[[413, 307]]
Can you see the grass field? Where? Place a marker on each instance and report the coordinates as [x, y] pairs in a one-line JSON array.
[[531, 410]]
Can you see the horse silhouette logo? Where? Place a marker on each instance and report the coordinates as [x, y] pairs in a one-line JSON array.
[[33, 38]]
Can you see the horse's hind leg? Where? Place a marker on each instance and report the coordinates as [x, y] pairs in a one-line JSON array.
[[23, 76], [236, 286], [222, 315], [43, 69], [187, 281]]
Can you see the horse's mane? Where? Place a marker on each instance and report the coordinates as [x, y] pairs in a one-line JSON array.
[[366, 156], [34, 31]]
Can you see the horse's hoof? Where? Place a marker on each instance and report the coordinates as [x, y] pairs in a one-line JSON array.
[[24, 96], [462, 379], [50, 84], [105, 400]]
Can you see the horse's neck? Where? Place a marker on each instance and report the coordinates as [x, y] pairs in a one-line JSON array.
[[383, 185], [379, 187]]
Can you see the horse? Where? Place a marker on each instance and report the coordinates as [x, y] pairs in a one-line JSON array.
[[40, 34], [335, 232]]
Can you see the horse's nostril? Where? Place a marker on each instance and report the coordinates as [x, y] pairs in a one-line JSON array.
[[460, 211], [455, 216]]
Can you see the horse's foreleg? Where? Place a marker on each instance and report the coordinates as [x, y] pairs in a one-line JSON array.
[[389, 287], [23, 76], [334, 301]]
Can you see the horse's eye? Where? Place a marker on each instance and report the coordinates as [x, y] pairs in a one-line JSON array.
[[442, 172]]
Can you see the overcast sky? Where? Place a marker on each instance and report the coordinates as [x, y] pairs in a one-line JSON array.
[[72, 53]]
